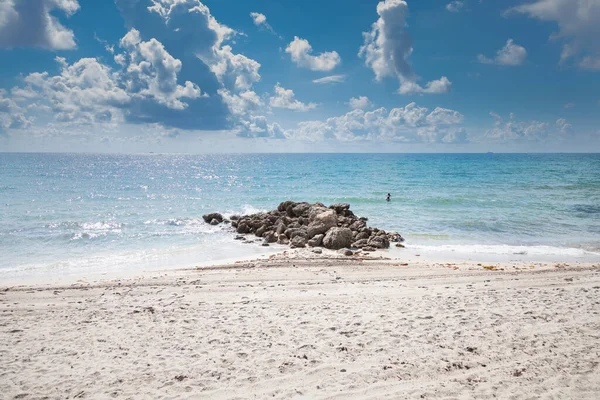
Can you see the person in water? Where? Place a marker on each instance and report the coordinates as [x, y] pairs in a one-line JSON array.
[[389, 197]]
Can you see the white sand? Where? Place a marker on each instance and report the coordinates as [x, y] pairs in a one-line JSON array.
[[299, 328]]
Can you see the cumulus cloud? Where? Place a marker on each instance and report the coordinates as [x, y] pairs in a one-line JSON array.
[[455, 6], [260, 20], [388, 46], [300, 51], [404, 124], [152, 72], [330, 79], [30, 23], [12, 116], [285, 98], [511, 55], [243, 103], [361, 102], [579, 29], [512, 129]]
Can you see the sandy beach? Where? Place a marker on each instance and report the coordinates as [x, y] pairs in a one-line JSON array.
[[298, 327]]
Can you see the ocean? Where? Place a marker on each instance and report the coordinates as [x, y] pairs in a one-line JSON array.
[[79, 213]]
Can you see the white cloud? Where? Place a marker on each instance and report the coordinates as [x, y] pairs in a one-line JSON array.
[[404, 124], [300, 51], [512, 129], [455, 6], [152, 72], [361, 102], [441, 85], [388, 47], [30, 23], [285, 98], [196, 30], [84, 92], [570, 105], [511, 55], [243, 103], [563, 125], [578, 24], [330, 79], [12, 116], [261, 20]]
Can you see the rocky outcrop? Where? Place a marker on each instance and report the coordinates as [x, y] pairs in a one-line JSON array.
[[301, 224]]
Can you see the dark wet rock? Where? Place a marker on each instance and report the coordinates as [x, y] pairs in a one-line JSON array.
[[369, 248], [316, 241], [214, 222], [340, 207], [337, 238], [239, 237], [243, 228], [298, 241], [362, 235], [282, 207], [400, 245], [360, 243], [209, 217], [379, 242], [235, 217], [270, 237], [260, 231], [282, 239]]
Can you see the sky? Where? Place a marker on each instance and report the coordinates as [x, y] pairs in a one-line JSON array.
[[217, 76]]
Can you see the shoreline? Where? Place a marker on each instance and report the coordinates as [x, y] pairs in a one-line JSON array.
[[418, 255], [312, 327]]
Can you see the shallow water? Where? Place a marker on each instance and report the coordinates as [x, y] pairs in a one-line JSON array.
[[66, 212]]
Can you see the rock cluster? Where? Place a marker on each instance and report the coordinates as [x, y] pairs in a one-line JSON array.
[[301, 224]]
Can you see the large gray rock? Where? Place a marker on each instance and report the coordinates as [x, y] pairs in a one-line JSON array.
[[209, 217], [379, 242], [298, 241], [301, 209], [316, 210], [316, 241], [322, 223], [243, 228], [284, 205], [360, 243], [340, 208], [338, 238]]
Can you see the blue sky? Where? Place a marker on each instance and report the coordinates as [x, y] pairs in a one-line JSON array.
[[336, 75]]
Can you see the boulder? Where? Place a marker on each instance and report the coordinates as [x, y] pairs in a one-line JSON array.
[[316, 210], [345, 252], [337, 238], [298, 241], [243, 228], [317, 251], [209, 217], [395, 237], [357, 225], [214, 222], [360, 243], [270, 237], [301, 209], [322, 223], [340, 208], [260, 231], [379, 242], [369, 248], [362, 235], [282, 239], [280, 228], [316, 241], [235, 217], [284, 205]]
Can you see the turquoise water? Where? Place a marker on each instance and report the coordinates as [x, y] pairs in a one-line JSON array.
[[64, 212]]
